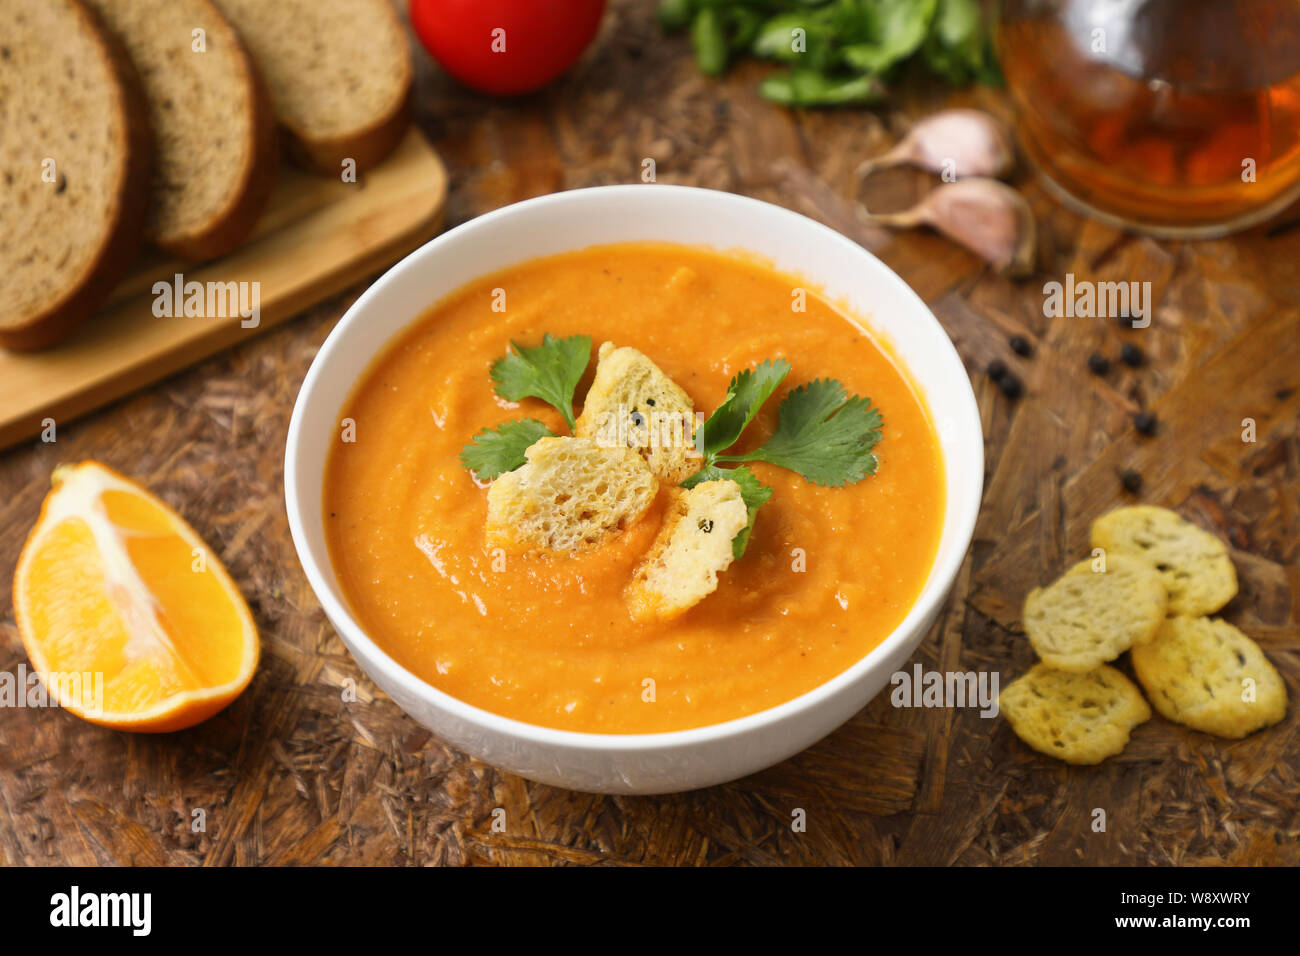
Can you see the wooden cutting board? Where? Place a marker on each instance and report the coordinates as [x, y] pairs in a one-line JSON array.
[[317, 237]]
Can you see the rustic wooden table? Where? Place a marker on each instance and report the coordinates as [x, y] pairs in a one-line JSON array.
[[293, 774]]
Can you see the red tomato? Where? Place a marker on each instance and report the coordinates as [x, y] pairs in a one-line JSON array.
[[506, 46]]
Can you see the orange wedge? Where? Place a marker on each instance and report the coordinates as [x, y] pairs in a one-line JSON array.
[[127, 615]]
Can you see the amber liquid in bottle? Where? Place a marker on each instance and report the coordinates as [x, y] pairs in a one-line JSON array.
[[1181, 116]]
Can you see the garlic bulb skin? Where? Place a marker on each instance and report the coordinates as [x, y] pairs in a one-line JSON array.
[[987, 217], [954, 144]]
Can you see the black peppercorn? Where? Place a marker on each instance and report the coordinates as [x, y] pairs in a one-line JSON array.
[[997, 370], [1098, 363], [1131, 355], [1011, 386], [1131, 480], [1145, 422], [1020, 345]]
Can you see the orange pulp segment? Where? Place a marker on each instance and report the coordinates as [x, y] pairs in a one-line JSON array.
[[129, 618]]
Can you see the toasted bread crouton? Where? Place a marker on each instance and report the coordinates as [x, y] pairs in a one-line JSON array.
[[1205, 673], [1087, 616], [633, 404], [1194, 564], [569, 496], [693, 545], [1079, 718]]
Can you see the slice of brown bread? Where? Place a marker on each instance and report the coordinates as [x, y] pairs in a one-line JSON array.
[[214, 132], [339, 73], [70, 110]]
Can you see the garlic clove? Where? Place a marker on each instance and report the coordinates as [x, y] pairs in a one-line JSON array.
[[987, 217], [952, 143]]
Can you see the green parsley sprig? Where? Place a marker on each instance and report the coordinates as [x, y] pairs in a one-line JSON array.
[[822, 433], [839, 52], [494, 451], [550, 371], [745, 396]]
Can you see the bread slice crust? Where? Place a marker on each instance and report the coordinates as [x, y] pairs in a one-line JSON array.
[[232, 227], [50, 322], [367, 146]]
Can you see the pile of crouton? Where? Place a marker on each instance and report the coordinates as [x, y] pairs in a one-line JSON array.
[[633, 439]]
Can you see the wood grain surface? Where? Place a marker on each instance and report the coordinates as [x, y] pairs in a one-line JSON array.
[[292, 774]]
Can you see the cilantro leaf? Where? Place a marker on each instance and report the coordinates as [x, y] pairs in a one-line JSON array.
[[753, 491], [839, 50], [957, 47], [493, 452], [550, 371], [813, 46], [823, 434], [746, 395], [814, 88], [900, 27]]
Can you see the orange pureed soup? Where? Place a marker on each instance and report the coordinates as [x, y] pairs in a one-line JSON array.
[[547, 638]]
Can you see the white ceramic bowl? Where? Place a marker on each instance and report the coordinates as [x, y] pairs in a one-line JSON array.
[[641, 763]]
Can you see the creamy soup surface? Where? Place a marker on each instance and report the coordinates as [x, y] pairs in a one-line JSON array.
[[547, 639]]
